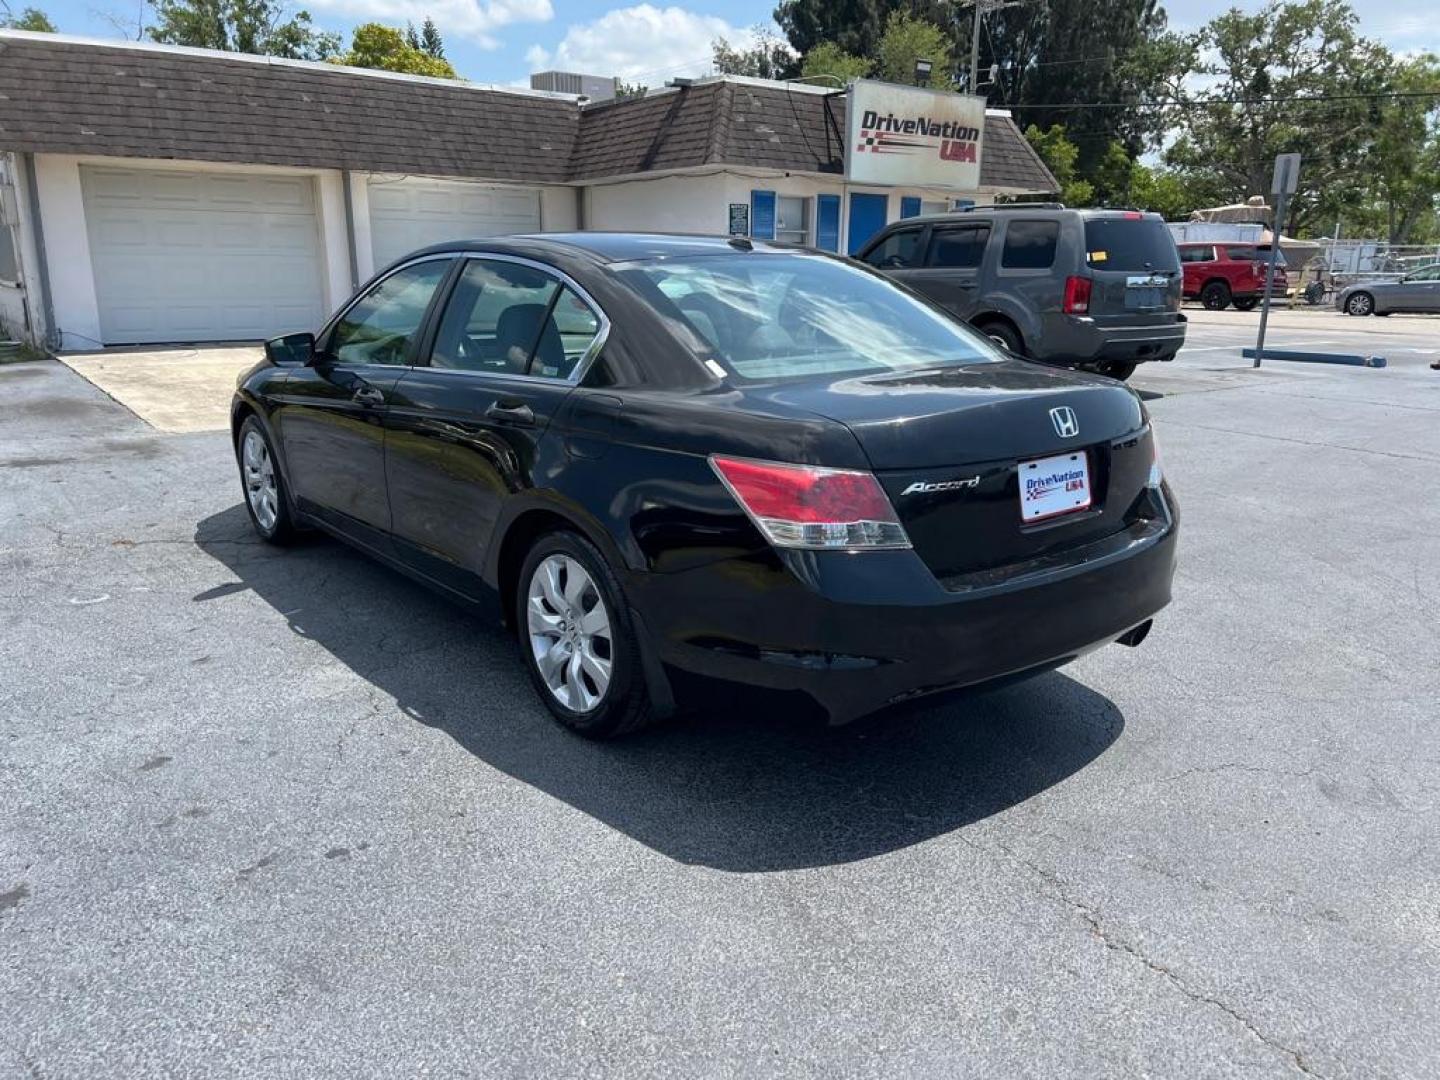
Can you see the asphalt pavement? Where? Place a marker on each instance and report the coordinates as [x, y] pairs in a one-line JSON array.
[[284, 813]]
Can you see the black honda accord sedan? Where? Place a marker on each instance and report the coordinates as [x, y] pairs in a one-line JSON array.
[[674, 460]]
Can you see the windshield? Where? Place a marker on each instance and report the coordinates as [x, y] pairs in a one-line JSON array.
[[782, 316], [1128, 244]]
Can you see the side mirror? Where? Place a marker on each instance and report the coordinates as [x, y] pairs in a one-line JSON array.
[[291, 350]]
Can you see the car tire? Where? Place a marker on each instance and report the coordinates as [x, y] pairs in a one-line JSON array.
[[266, 499], [1118, 369], [1215, 296], [595, 685], [1360, 304], [1245, 303], [1383, 314], [1003, 335]]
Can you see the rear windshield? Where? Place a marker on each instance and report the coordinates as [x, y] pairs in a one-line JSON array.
[[769, 317], [1255, 254], [1128, 245]]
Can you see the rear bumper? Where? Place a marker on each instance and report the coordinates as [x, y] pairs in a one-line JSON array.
[[856, 633], [1077, 337]]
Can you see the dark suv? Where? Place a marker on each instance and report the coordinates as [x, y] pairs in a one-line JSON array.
[[1098, 289]]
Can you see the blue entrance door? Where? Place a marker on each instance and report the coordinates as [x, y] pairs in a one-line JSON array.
[[867, 217]]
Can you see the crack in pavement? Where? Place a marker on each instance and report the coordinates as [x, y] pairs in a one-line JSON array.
[[1060, 892]]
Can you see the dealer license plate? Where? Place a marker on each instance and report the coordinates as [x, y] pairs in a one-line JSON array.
[[1054, 485]]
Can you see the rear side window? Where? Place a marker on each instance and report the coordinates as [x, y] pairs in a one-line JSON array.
[[1197, 254], [958, 246], [1030, 245], [898, 250], [1130, 245]]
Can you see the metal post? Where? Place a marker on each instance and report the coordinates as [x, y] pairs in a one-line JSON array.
[[1281, 199], [973, 85]]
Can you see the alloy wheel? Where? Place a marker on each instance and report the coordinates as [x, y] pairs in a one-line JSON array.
[[260, 487], [569, 630], [1360, 304]]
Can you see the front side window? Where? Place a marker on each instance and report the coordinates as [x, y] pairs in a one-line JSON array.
[[958, 246], [897, 251], [1431, 273], [769, 317], [792, 221], [381, 327], [511, 319], [1030, 245]]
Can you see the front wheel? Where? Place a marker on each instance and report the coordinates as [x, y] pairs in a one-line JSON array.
[[1360, 304], [265, 496], [577, 639], [1215, 296]]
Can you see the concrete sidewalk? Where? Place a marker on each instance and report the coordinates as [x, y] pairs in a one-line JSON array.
[[175, 389]]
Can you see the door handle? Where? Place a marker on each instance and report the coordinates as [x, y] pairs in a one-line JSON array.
[[511, 412], [368, 396], [966, 284]]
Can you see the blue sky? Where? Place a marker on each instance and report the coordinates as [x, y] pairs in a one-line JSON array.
[[501, 41]]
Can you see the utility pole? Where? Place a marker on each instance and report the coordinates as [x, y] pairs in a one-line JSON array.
[[981, 8]]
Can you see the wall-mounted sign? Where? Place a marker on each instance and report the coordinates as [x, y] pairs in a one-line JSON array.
[[739, 219], [917, 138]]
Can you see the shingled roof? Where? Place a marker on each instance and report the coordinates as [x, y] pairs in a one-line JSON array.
[[66, 97], [60, 95], [760, 125]]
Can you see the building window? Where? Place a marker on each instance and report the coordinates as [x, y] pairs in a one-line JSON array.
[[792, 219]]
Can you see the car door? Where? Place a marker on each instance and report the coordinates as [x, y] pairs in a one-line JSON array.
[[1419, 291], [898, 253], [332, 413], [468, 427], [950, 271]]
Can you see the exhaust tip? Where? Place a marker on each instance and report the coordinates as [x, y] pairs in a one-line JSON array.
[[1136, 634]]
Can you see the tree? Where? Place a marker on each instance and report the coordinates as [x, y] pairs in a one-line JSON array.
[[430, 39], [629, 90], [386, 49], [856, 26], [1060, 156], [1290, 78], [248, 26], [827, 58], [768, 57], [32, 19], [1404, 159], [907, 39]]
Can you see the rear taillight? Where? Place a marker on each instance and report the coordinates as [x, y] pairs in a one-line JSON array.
[[1077, 295], [805, 506], [1157, 470]]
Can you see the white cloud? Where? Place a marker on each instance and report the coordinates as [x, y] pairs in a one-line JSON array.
[[537, 56], [643, 43], [477, 20]]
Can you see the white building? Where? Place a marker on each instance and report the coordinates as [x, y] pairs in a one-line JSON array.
[[160, 194]]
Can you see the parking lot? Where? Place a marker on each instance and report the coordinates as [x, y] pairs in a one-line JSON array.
[[285, 813]]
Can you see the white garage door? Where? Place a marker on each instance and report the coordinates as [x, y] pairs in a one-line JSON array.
[[199, 256], [410, 212]]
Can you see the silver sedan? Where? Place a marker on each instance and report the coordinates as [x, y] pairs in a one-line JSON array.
[[1418, 290]]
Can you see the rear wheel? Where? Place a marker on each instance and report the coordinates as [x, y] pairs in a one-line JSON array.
[[264, 487], [1360, 304], [1003, 335], [1118, 369], [577, 639], [1245, 303], [1215, 296]]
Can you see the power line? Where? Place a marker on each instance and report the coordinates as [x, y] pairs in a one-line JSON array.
[[1200, 103]]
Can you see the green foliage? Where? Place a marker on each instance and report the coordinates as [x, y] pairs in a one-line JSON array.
[[247, 26], [1060, 156], [387, 49], [32, 19], [907, 39], [856, 26], [1259, 67], [827, 58], [768, 58], [430, 40], [629, 90]]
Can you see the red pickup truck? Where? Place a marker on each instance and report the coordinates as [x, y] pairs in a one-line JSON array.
[[1220, 274]]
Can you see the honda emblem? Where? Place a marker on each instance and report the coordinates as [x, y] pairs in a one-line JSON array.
[[1066, 426]]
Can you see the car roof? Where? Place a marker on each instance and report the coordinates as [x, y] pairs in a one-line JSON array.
[[609, 247], [1034, 210]]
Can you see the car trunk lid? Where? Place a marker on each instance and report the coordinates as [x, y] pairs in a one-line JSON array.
[[948, 446], [1134, 269]]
